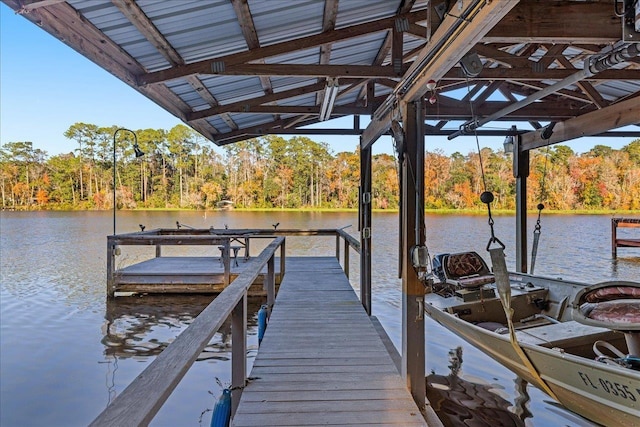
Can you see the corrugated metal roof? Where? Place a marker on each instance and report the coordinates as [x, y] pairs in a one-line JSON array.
[[201, 31]]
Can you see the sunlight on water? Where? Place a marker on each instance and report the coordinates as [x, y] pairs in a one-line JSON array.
[[66, 352]]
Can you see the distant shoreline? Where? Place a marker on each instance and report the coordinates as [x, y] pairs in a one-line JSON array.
[[338, 210]]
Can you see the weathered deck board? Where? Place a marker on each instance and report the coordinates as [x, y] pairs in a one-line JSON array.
[[321, 361], [183, 275]]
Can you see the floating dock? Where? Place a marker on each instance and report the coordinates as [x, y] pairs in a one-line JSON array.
[[321, 360]]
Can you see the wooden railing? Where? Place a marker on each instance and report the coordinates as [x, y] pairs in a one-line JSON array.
[[159, 238], [143, 398]]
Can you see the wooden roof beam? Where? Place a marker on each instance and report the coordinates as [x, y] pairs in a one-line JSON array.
[[137, 17], [295, 109], [612, 117], [534, 21], [219, 109], [29, 5], [248, 28], [304, 70], [520, 89], [449, 43], [330, 14], [553, 53], [205, 67]]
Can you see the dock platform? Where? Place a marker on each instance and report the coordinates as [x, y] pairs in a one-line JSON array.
[[321, 360], [625, 242], [184, 275]]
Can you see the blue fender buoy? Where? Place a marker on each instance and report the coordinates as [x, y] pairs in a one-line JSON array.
[[222, 411], [262, 322]]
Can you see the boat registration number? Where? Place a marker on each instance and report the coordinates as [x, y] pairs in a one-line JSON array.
[[610, 387]]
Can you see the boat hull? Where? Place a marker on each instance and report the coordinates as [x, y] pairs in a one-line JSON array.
[[602, 393]]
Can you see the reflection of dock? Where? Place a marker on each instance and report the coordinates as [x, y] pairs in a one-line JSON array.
[[624, 242], [145, 326]]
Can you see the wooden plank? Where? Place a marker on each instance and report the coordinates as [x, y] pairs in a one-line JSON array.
[[322, 369], [330, 406], [401, 418], [617, 115], [321, 360], [335, 395], [372, 384]]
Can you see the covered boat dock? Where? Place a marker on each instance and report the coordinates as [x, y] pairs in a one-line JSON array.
[[246, 68]]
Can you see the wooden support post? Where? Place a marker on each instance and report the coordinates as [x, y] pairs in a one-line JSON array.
[[238, 351], [158, 251], [270, 283], [338, 247], [346, 258], [521, 172], [365, 232], [111, 265], [226, 261], [282, 259], [614, 238], [413, 339]]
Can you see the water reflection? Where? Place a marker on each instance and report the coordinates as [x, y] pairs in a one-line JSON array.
[[459, 402], [143, 326]]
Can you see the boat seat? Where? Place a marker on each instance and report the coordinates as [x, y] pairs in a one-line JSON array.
[[613, 305], [467, 270]]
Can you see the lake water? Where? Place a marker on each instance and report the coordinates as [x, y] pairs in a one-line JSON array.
[[65, 352]]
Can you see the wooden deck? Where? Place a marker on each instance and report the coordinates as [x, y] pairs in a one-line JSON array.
[[321, 361], [184, 274]]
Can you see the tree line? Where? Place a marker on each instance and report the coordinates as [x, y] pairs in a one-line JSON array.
[[181, 170]]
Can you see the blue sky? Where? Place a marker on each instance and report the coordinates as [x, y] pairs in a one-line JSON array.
[[45, 87]]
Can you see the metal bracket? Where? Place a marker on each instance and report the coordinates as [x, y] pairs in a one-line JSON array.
[[366, 233], [366, 198]]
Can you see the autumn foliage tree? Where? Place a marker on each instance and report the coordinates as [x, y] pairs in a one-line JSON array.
[[183, 170]]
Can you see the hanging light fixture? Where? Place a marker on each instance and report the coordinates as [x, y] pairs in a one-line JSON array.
[[431, 87], [330, 94], [137, 150]]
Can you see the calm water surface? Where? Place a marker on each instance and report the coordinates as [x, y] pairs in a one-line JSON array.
[[65, 352]]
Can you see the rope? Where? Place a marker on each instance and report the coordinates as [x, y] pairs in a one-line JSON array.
[[486, 196], [503, 283], [504, 291]]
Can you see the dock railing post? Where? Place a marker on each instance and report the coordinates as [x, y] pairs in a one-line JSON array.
[[238, 352], [346, 258], [270, 283], [111, 263], [226, 259], [337, 246], [614, 237], [282, 259], [158, 251]]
